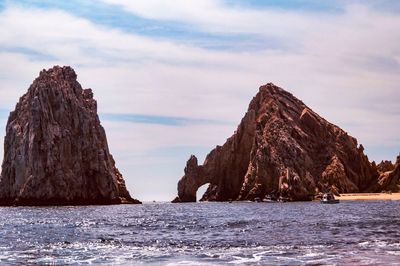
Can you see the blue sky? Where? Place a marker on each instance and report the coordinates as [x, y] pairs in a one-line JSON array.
[[174, 78]]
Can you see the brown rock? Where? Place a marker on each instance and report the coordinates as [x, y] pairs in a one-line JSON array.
[[390, 180], [281, 148], [385, 166], [55, 150]]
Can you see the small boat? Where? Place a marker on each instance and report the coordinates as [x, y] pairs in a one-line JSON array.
[[283, 199], [257, 199], [269, 198], [329, 198]]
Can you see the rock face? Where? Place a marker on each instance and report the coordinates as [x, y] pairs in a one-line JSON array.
[[55, 150], [385, 166], [389, 179], [280, 148]]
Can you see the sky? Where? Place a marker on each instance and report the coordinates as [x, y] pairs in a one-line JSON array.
[[174, 78]]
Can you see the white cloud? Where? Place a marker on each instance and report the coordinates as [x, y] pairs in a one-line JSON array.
[[215, 16]]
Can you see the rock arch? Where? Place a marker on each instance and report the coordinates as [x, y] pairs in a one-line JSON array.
[[224, 167], [194, 177]]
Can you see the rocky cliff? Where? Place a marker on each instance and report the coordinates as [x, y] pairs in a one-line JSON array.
[[281, 148], [389, 178], [55, 150]]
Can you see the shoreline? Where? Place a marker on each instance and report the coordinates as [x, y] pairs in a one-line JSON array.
[[369, 196]]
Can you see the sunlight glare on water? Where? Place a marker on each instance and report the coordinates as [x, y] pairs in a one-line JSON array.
[[203, 234]]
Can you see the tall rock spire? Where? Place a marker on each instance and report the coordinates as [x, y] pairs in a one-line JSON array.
[[55, 149]]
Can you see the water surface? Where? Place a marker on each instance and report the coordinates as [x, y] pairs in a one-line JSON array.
[[304, 233]]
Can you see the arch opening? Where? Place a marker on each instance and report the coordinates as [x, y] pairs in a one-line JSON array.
[[201, 190]]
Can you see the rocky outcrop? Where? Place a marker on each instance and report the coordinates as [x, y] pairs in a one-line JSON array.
[[385, 166], [389, 179], [55, 150], [280, 148]]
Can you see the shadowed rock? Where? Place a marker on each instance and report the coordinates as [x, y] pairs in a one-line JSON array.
[[385, 166], [283, 148], [389, 179], [55, 150]]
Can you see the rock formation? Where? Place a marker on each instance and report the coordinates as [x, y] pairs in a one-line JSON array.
[[384, 166], [55, 150], [389, 179], [281, 148]]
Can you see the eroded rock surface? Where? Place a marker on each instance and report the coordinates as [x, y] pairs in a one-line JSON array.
[[280, 148], [385, 166], [55, 150], [389, 178]]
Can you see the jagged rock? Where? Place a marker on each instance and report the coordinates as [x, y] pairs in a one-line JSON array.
[[190, 185], [281, 148], [55, 150], [390, 180], [385, 166]]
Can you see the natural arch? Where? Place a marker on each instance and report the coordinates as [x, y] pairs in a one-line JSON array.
[[194, 178]]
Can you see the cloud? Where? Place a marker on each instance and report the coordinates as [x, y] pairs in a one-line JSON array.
[[215, 16], [159, 120], [77, 40]]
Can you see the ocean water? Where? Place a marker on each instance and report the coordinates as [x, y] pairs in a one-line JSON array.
[[302, 233]]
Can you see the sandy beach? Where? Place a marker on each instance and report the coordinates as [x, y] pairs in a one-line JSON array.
[[369, 196]]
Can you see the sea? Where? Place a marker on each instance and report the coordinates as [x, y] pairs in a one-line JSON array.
[[209, 233]]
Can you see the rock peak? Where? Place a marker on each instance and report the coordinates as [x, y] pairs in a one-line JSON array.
[[56, 78], [58, 73], [270, 87], [273, 89], [276, 98], [55, 149]]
